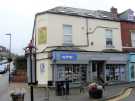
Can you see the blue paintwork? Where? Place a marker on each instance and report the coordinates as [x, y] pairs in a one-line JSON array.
[[53, 56], [64, 56], [131, 57], [131, 60], [68, 56]]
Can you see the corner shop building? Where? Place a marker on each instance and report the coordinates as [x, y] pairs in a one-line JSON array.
[[79, 66]]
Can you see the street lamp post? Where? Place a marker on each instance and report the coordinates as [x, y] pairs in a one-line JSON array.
[[9, 59]]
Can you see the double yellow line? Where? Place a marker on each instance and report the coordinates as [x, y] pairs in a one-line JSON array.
[[122, 96]]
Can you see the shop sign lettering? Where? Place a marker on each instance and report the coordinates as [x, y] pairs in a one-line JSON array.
[[68, 56]]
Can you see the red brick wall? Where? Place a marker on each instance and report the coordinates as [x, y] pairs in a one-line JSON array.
[[126, 27], [20, 76]]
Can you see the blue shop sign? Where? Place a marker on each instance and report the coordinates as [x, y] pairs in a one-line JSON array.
[[132, 57], [68, 56], [64, 56]]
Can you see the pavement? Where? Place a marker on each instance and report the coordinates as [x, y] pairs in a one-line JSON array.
[[41, 94]]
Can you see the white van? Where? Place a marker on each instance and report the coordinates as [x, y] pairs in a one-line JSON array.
[[3, 68]]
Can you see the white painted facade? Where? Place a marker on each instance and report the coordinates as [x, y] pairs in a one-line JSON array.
[[54, 24]]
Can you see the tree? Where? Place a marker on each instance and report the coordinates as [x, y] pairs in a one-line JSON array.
[[20, 63]]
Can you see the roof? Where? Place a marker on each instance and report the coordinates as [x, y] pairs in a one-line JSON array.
[[124, 11], [126, 20], [97, 14]]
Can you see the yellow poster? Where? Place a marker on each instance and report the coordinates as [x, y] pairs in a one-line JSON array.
[[42, 35]]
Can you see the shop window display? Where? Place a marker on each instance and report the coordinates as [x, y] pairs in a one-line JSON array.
[[115, 72], [73, 72]]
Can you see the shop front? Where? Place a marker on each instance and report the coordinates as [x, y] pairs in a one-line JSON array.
[[68, 66], [86, 67], [131, 66], [109, 67]]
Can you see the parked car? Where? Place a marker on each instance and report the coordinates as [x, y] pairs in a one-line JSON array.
[[3, 69]]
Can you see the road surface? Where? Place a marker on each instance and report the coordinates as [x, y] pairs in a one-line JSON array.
[[4, 91]]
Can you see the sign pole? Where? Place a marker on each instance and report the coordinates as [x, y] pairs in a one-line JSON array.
[[31, 93], [29, 51], [31, 86]]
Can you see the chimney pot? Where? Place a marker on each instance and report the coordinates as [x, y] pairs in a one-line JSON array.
[[114, 12]]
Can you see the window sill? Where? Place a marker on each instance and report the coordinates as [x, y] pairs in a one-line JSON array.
[[132, 46], [110, 47], [68, 44]]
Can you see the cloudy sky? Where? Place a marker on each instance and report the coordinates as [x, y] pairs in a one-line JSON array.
[[17, 16]]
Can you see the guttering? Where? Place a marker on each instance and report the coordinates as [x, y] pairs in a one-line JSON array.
[[129, 21]]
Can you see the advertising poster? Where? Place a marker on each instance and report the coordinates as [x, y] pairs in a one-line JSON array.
[[42, 35]]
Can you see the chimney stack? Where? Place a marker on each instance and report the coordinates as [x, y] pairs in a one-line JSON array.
[[114, 13]]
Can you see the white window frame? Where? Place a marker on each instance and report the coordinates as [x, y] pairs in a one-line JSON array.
[[111, 38], [67, 35], [130, 15], [133, 38]]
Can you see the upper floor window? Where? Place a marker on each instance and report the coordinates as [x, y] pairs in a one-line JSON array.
[[67, 31], [109, 38], [130, 14], [133, 38]]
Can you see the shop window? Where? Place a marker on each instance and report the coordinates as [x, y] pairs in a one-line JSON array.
[[67, 31], [115, 72], [72, 72], [109, 39], [60, 73], [83, 73], [133, 38], [130, 15]]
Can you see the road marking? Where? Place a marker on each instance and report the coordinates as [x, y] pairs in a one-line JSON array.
[[126, 94]]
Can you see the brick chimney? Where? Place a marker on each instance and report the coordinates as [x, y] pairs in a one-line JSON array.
[[114, 13]]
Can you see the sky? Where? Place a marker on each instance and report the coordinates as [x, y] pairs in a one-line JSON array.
[[17, 16]]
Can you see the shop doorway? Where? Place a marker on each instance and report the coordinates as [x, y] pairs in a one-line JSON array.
[[98, 70]]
